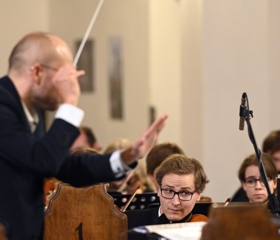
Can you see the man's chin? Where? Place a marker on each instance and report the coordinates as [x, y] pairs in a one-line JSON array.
[[53, 108], [48, 107], [174, 218]]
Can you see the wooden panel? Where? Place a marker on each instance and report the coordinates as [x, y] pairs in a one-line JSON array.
[[240, 221], [83, 214]]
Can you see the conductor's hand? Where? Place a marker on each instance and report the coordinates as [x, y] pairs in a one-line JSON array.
[[67, 85], [145, 143]]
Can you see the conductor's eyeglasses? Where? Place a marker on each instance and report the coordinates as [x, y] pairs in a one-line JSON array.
[[49, 67], [183, 196], [251, 182]]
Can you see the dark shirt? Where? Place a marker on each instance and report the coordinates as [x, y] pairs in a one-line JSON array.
[[145, 217]]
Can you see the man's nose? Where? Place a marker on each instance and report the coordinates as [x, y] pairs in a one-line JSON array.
[[176, 199]]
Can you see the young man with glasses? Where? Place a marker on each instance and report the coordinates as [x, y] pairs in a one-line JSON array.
[[250, 178], [181, 180]]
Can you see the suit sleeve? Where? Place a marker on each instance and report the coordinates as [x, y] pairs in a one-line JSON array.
[[48, 156], [87, 169]]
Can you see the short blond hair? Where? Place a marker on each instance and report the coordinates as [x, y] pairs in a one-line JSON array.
[[182, 165]]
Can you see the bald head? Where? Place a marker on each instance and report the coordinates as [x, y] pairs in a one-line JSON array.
[[38, 47], [37, 66]]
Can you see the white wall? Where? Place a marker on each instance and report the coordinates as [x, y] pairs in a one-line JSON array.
[[274, 60], [191, 91], [127, 19], [165, 65], [16, 19], [235, 60]]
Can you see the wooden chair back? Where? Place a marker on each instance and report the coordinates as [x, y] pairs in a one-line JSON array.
[[83, 214], [240, 221], [205, 199]]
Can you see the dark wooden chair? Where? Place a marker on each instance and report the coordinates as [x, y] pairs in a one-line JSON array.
[[240, 221], [83, 214]]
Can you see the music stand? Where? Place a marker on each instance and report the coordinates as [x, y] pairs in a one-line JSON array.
[[140, 201]]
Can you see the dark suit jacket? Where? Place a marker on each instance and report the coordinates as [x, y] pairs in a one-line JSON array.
[[26, 159], [136, 218], [143, 217]]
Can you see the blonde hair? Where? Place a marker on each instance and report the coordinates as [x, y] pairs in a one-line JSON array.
[[120, 144]]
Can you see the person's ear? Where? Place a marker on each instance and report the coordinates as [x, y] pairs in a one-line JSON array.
[[198, 196], [96, 146], [158, 192], [274, 184], [35, 73], [243, 186]]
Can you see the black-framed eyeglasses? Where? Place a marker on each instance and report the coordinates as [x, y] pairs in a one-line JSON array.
[[183, 196], [48, 67], [251, 182]]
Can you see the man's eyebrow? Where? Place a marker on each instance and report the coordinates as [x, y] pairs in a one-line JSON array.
[[185, 188], [168, 186], [181, 188]]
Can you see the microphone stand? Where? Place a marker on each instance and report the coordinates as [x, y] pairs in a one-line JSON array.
[[272, 200]]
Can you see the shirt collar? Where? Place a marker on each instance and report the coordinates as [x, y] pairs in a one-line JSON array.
[[33, 120], [159, 213]]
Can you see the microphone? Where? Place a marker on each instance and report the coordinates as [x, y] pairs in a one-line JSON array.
[[242, 108]]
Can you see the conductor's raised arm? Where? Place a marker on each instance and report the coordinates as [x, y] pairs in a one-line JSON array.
[[145, 142]]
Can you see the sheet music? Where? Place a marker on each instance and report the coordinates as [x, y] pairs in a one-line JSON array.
[[175, 231]]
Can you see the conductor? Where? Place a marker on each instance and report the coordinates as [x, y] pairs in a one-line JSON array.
[[41, 77]]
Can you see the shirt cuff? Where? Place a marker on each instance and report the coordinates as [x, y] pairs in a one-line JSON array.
[[70, 114], [119, 168]]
